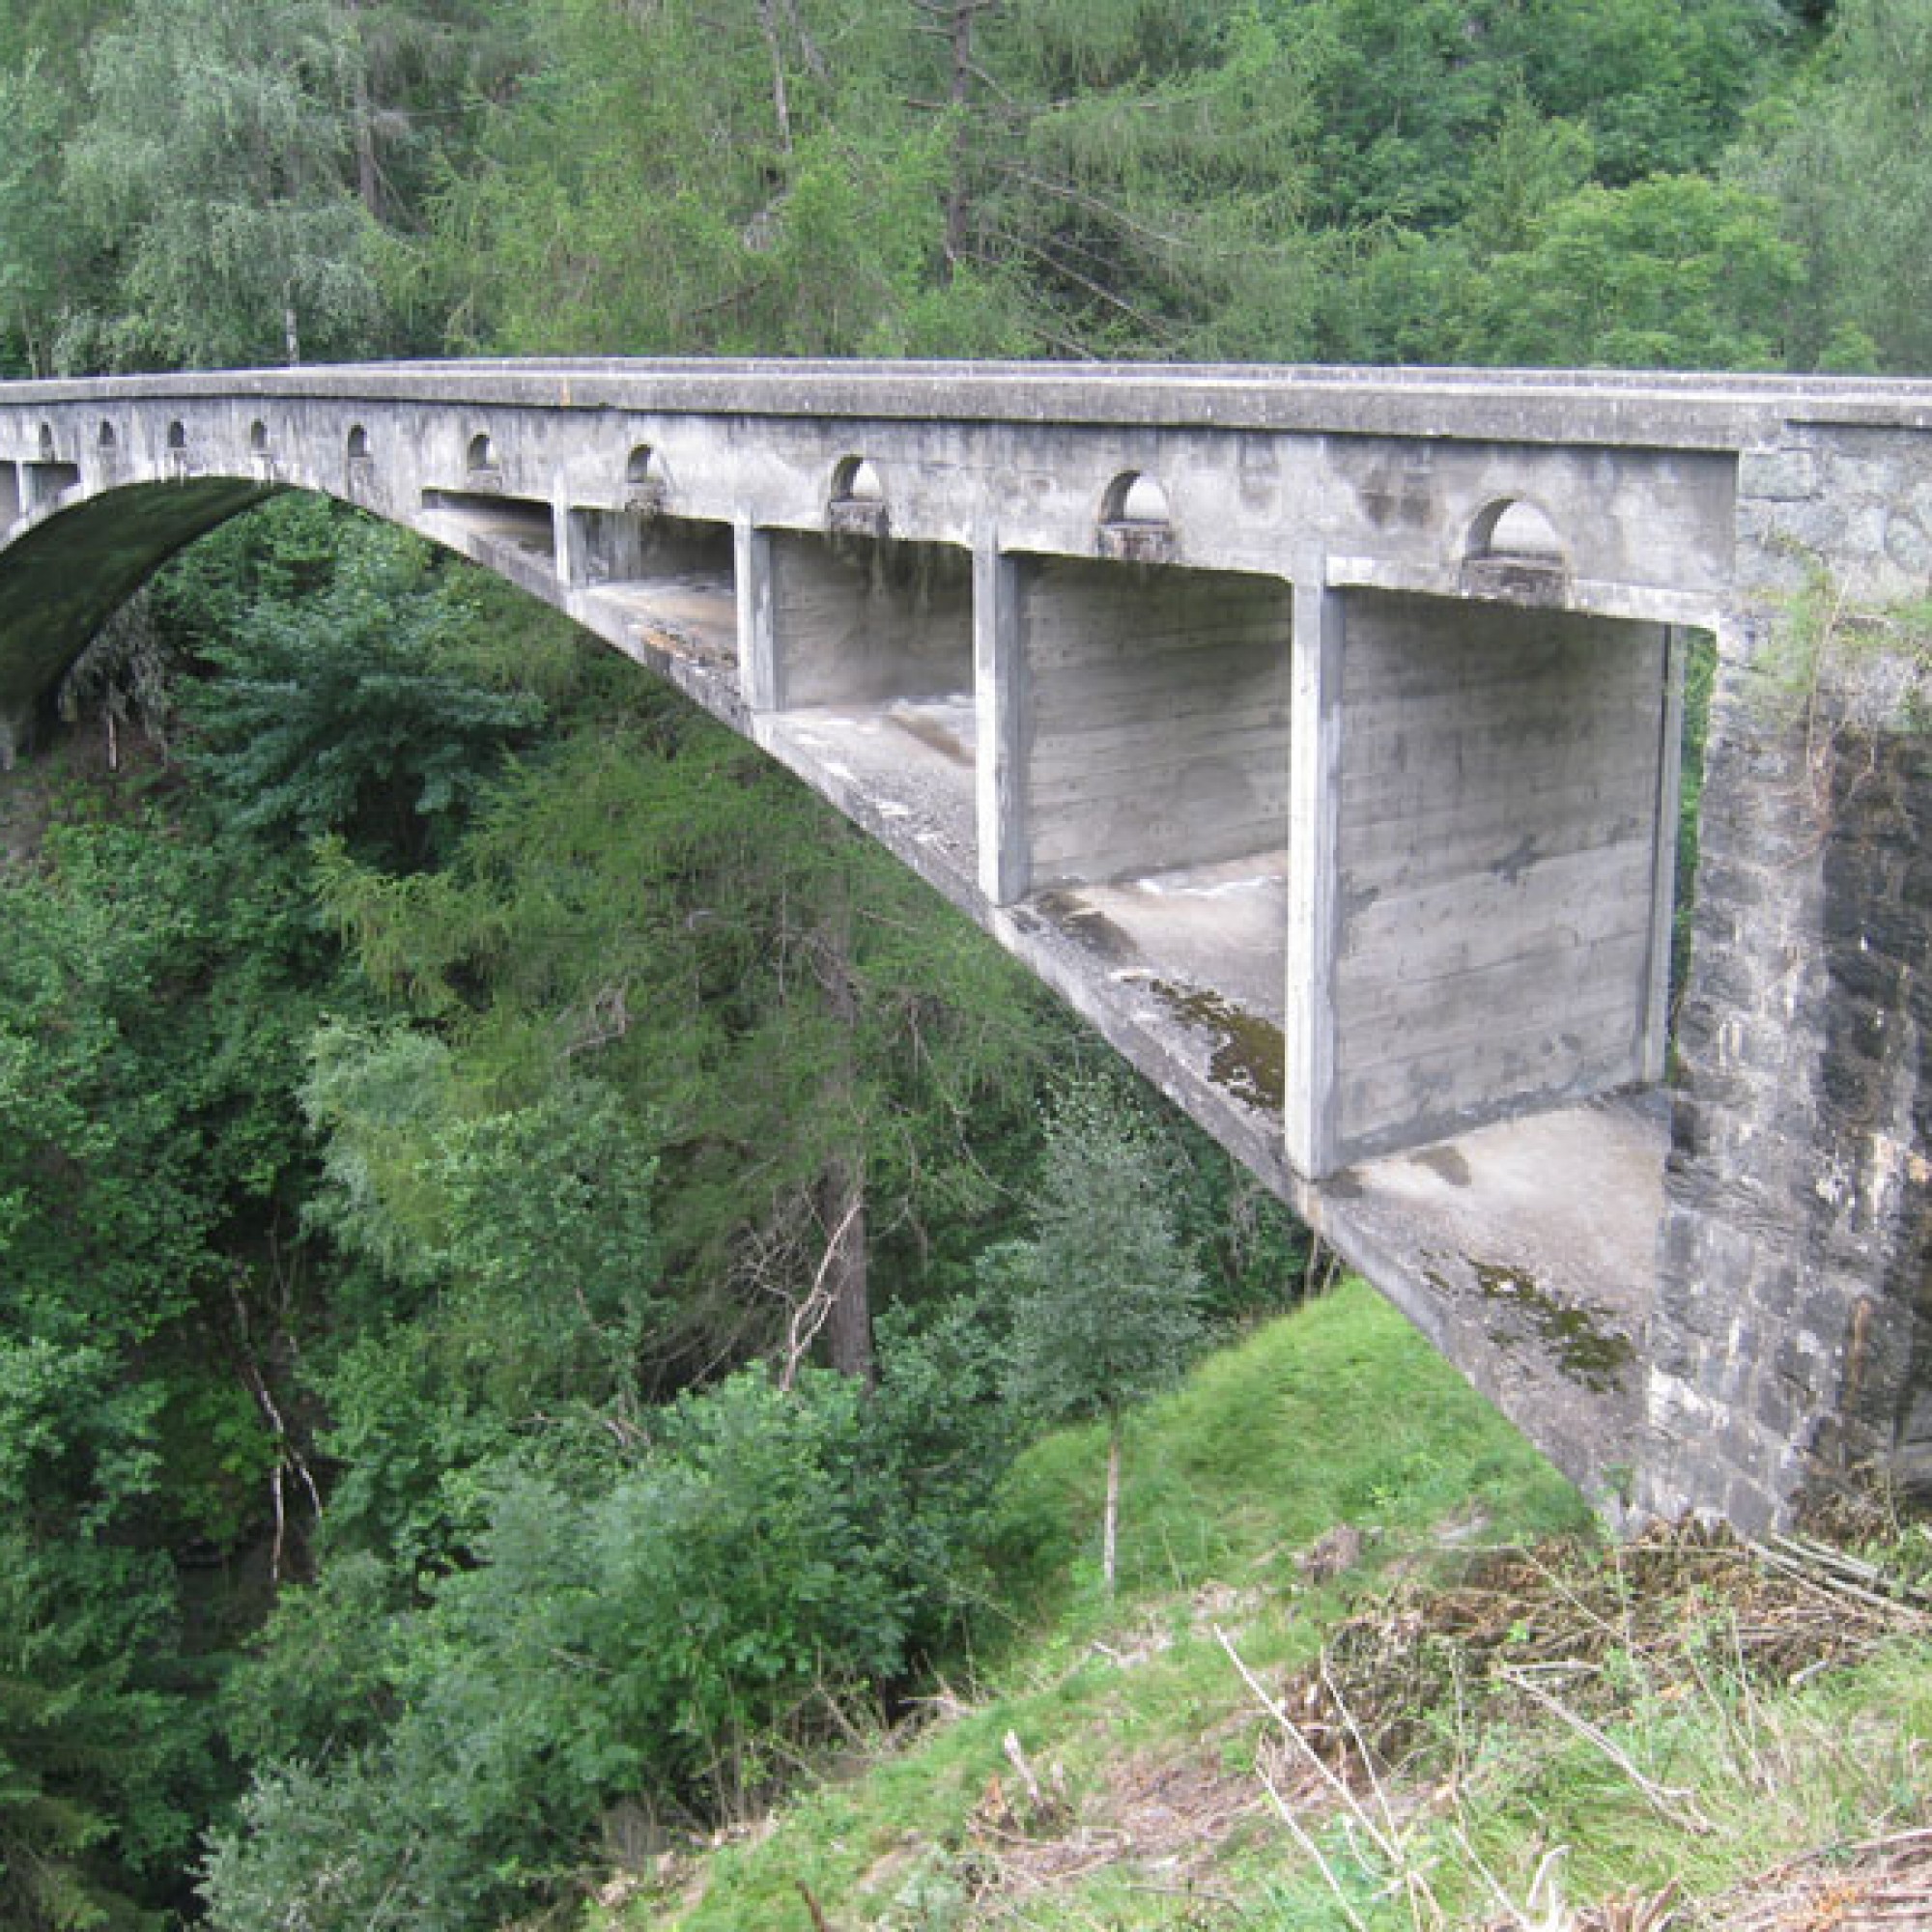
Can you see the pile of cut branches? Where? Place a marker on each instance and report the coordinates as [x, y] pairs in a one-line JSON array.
[[1593, 1625]]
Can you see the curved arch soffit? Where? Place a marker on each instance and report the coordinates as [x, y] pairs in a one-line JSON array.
[[69, 564]]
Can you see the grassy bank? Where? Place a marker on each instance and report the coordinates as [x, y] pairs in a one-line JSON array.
[[1370, 1666]]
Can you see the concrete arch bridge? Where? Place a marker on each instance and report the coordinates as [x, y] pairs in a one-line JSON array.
[[1316, 733]]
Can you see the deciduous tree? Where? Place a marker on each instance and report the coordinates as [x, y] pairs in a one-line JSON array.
[[217, 163]]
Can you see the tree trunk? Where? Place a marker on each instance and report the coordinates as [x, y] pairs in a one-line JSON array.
[[1110, 1522], [842, 1184], [781, 96], [368, 173], [849, 1328], [961, 91]]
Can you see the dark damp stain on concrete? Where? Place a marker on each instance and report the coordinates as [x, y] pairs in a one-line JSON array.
[[931, 732], [1444, 1161], [1250, 1058], [1095, 930], [1591, 1354]]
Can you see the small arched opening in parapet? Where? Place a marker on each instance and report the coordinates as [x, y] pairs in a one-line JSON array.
[[647, 481], [1513, 527], [1515, 551], [481, 462], [106, 438], [857, 506], [177, 465], [258, 453], [360, 466], [857, 480], [1136, 519], [177, 435], [48, 477]]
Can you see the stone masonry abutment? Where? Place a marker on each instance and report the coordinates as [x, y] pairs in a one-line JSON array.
[[1316, 733]]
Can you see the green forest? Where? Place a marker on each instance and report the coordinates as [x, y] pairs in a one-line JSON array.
[[527, 1247]]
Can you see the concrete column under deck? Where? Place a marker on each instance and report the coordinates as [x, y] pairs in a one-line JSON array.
[[1498, 853], [757, 646], [1316, 733], [999, 699]]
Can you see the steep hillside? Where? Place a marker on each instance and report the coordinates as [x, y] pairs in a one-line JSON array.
[[1371, 1668]]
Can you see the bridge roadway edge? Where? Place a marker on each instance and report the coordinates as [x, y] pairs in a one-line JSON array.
[[1703, 1380]]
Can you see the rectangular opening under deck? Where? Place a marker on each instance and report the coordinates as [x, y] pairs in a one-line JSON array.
[[1505, 849], [516, 537], [1152, 797], [663, 587], [871, 649]]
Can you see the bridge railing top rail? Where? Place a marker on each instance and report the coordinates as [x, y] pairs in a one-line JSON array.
[[1629, 407]]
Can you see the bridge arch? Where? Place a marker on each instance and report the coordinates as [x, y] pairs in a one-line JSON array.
[[1193, 768], [78, 560]]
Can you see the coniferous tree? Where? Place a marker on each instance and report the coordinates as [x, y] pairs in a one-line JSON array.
[[1846, 160], [1106, 1296]]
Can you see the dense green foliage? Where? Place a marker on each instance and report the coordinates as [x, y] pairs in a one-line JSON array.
[[437, 1077], [1729, 182], [428, 1082], [659, 1634]]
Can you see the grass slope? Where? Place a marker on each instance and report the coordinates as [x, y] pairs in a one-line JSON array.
[[1403, 1723]]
